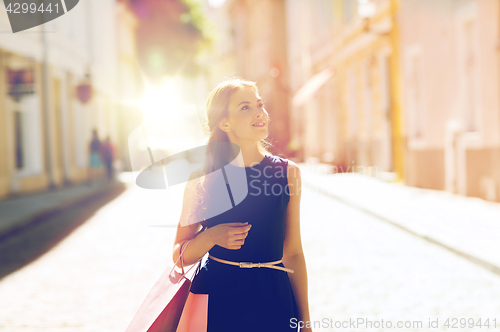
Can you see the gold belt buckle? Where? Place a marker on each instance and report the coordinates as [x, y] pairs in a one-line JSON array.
[[246, 265]]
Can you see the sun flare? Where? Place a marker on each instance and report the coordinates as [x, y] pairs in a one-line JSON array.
[[157, 103]]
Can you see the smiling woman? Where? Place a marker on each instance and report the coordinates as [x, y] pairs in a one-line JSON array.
[[255, 276]]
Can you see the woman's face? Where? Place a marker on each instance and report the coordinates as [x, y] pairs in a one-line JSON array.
[[246, 110]]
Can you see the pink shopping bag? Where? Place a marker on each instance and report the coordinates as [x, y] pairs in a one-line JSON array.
[[162, 308], [195, 314]]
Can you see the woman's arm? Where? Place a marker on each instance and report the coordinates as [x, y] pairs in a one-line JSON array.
[[227, 235], [293, 256], [198, 245]]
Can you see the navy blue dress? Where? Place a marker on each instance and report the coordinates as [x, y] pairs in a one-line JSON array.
[[252, 299]]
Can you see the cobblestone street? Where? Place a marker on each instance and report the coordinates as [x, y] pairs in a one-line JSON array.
[[358, 266]]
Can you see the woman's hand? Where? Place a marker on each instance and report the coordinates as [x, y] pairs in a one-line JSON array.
[[229, 235]]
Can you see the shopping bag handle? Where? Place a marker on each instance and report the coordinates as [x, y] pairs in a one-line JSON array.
[[181, 252]]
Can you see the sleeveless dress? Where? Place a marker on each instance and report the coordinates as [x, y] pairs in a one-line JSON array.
[[252, 299]]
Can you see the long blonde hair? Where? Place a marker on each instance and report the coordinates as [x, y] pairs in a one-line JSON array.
[[218, 155]]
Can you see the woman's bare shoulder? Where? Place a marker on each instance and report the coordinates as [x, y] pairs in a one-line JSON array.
[[293, 169]]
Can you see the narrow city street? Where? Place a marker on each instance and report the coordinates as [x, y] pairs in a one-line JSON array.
[[390, 108], [359, 267]]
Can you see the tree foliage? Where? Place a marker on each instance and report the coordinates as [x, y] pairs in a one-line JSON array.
[[170, 34]]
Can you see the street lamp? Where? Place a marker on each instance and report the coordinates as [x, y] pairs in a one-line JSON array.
[[366, 8], [366, 11]]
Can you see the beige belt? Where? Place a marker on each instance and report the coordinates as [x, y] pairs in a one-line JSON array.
[[250, 265]]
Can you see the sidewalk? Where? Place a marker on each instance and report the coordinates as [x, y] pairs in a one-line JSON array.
[[468, 226], [19, 212]]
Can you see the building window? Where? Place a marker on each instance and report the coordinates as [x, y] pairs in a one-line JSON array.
[[352, 110], [18, 133], [415, 92], [349, 9], [469, 56], [469, 65], [385, 77], [323, 16], [27, 136], [79, 134], [367, 97]]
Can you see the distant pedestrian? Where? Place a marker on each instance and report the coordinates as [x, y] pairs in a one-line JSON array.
[[95, 165], [107, 155]]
